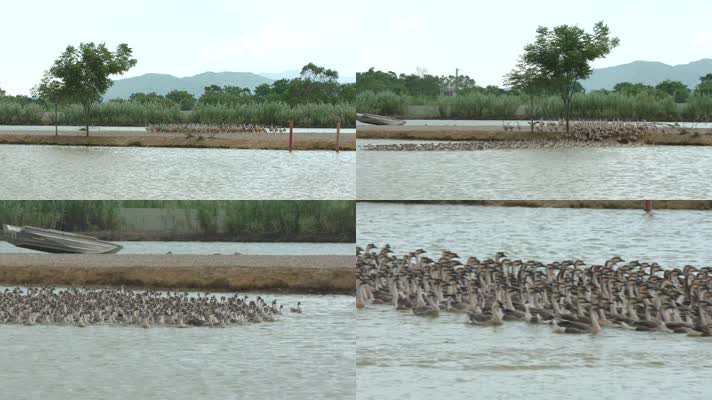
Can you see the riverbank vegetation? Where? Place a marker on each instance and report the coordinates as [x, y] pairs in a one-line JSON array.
[[537, 88], [328, 221], [315, 99]]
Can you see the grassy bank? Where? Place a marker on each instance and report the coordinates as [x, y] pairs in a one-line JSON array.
[[298, 274], [669, 136], [252, 141], [277, 221], [601, 204], [132, 113], [596, 105]]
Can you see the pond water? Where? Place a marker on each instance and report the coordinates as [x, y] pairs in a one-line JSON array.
[[300, 356], [226, 248], [87, 173], [401, 356], [632, 172], [670, 237]]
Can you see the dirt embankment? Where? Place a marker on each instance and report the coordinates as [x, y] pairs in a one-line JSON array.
[[266, 141], [612, 204], [669, 136], [293, 274]]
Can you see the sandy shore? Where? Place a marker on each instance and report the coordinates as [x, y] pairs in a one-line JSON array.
[[262, 141], [612, 204], [298, 274], [670, 136]]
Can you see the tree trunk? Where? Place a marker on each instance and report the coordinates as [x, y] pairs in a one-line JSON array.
[[531, 112], [567, 112], [87, 110], [56, 120]]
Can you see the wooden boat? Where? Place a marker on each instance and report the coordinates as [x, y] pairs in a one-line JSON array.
[[375, 119], [51, 241]]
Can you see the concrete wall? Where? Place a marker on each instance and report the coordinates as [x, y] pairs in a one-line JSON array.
[[417, 112], [177, 221]]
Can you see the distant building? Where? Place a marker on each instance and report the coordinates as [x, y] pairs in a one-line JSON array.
[[448, 91]]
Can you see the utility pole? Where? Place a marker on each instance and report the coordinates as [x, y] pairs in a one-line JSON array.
[[457, 74]]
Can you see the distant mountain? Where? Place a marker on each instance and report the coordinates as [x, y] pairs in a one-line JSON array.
[[648, 72], [163, 83]]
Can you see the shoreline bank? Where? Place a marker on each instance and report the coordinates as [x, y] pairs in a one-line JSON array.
[[668, 136], [289, 274], [595, 204], [167, 236], [245, 141]]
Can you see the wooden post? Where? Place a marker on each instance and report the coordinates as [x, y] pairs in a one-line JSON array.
[[648, 205], [338, 133], [291, 133]]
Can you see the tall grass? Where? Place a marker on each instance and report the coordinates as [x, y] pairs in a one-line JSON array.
[[80, 215], [386, 103], [479, 106], [595, 105], [265, 220], [130, 113], [12, 113]]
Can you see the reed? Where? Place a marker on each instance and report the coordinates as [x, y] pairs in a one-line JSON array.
[[76, 215], [133, 113], [269, 220], [12, 113], [594, 105]]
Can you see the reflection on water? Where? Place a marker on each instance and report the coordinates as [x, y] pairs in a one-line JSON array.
[[401, 356], [670, 237], [653, 172], [59, 172], [247, 248], [301, 356]]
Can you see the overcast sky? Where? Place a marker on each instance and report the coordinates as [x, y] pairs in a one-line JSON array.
[[483, 39]]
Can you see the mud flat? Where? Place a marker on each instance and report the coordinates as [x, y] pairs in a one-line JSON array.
[[666, 136], [254, 141], [291, 274]]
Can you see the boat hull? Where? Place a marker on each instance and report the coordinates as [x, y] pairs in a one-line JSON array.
[[52, 241], [375, 119]]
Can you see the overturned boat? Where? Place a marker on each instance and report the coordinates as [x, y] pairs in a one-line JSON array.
[[375, 119], [52, 241]]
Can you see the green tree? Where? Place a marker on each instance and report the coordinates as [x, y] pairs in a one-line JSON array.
[[563, 56], [263, 90], [183, 99], [704, 88], [678, 90], [527, 79], [632, 89], [83, 74], [2, 93]]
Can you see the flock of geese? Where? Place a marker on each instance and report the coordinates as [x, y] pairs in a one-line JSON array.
[[118, 306], [571, 296], [594, 130], [214, 128], [471, 145], [584, 133]]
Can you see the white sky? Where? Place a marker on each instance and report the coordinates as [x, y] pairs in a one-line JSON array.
[[483, 39]]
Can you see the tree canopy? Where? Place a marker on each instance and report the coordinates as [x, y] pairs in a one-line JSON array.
[[562, 56], [678, 90], [704, 88], [83, 74]]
